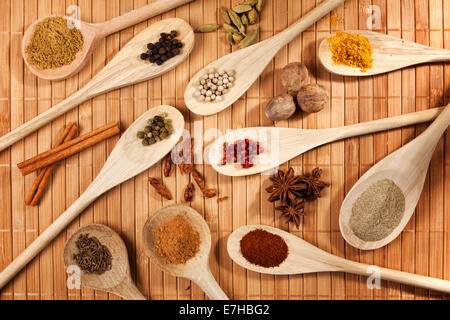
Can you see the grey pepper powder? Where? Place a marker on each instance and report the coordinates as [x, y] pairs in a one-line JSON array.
[[377, 211]]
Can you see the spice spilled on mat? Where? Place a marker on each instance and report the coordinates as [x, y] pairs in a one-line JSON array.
[[377, 211], [264, 249], [54, 44], [93, 257], [176, 241]]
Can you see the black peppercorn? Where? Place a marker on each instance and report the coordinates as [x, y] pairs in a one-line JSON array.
[[165, 49]]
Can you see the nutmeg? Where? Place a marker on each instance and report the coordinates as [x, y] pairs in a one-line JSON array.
[[281, 107], [294, 76], [312, 98]]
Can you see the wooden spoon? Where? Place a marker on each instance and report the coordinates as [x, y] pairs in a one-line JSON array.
[[407, 167], [93, 34], [305, 258], [389, 54], [118, 279], [128, 159], [126, 68], [249, 63], [283, 144], [196, 269]]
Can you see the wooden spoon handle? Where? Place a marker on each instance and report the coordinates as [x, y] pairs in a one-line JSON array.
[[139, 15], [209, 285], [386, 124], [44, 118], [397, 276], [304, 23], [46, 237]]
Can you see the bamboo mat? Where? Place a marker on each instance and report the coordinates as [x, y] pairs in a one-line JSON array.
[[423, 247]]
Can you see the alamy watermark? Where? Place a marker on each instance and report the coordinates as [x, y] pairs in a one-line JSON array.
[[374, 280], [374, 19], [73, 277], [73, 14]]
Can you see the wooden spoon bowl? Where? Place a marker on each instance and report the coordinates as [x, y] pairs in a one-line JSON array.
[[389, 54], [93, 34], [118, 279], [196, 269], [407, 168], [91, 37], [305, 258]]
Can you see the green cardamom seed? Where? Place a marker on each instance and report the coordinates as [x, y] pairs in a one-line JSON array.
[[225, 16], [229, 28], [260, 5], [249, 39], [253, 16], [237, 37], [207, 28], [237, 21], [245, 19], [250, 2], [241, 8]]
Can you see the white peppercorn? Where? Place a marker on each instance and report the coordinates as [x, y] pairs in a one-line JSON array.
[[214, 84]]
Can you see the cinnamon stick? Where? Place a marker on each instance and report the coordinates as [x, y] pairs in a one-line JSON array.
[[67, 145], [42, 180], [69, 148]]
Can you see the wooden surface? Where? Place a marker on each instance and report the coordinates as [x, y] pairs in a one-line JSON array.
[[422, 248]]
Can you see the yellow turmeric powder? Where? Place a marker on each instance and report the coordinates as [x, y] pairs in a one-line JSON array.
[[351, 50]]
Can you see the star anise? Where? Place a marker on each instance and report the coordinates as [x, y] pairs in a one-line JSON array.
[[292, 211], [285, 187], [313, 184]]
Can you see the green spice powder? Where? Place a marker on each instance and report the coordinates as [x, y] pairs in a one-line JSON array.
[[54, 44], [378, 211]]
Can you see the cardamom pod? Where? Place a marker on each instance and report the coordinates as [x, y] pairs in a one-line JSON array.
[[253, 16], [230, 38], [249, 39], [260, 5], [230, 29], [207, 28], [245, 19], [250, 2], [237, 21], [225, 16], [237, 37], [241, 8]]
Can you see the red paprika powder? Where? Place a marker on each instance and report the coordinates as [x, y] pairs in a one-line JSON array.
[[264, 249]]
